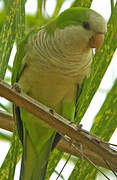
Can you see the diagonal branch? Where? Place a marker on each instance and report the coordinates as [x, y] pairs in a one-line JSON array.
[[6, 121], [93, 147]]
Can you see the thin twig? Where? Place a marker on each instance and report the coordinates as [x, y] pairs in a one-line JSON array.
[[63, 167], [110, 144], [107, 163], [82, 158], [90, 161]]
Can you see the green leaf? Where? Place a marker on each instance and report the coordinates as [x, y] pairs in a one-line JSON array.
[[61, 176], [4, 107], [9, 68], [2, 17], [5, 137], [82, 3], [20, 21], [104, 126], [105, 122], [58, 7], [15, 147], [15, 23], [89, 171], [7, 36], [39, 10], [8, 167], [55, 157]]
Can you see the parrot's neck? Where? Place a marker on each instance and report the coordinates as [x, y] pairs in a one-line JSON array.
[[62, 53]]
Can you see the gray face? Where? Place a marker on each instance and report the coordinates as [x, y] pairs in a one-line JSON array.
[[96, 22]]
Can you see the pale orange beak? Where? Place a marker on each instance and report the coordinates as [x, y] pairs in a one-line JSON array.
[[96, 41]]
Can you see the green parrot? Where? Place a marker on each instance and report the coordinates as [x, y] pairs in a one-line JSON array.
[[50, 64]]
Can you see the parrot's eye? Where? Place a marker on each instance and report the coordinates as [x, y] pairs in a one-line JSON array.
[[86, 25]]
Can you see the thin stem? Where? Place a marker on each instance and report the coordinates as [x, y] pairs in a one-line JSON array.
[[107, 163], [63, 167], [91, 162]]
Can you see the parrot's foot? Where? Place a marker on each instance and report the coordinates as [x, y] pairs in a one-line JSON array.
[[16, 87], [51, 111], [71, 122], [79, 126]]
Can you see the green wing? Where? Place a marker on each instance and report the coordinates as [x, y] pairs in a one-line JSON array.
[[18, 65]]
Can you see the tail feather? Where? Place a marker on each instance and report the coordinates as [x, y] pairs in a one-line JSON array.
[[34, 164]]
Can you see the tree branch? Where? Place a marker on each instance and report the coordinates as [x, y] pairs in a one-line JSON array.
[[93, 147], [6, 121]]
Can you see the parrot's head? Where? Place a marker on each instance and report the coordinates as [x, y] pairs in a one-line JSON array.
[[86, 26]]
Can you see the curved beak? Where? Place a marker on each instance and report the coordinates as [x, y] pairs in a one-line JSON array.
[[96, 41]]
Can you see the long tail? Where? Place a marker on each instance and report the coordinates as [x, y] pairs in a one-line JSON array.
[[36, 145], [34, 164]]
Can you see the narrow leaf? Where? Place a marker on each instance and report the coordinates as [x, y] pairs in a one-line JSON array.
[[8, 166], [7, 36], [82, 3], [39, 11], [104, 126], [5, 137], [53, 161], [20, 21], [105, 122], [15, 147], [58, 7], [16, 24]]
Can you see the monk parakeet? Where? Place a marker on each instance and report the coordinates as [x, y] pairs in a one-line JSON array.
[[51, 62]]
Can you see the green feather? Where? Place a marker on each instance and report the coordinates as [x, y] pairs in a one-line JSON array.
[[18, 65]]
